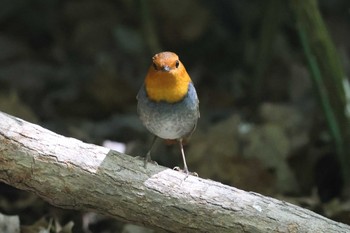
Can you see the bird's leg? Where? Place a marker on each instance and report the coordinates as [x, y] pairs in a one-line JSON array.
[[185, 164], [183, 156], [148, 155]]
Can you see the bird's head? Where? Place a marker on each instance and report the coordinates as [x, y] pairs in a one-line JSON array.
[[167, 79]]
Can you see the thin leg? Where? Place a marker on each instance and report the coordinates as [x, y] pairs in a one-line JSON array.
[[148, 155], [183, 156]]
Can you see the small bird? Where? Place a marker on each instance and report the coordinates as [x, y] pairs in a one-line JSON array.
[[168, 105]]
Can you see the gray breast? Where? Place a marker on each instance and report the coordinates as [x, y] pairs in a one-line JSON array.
[[169, 120]]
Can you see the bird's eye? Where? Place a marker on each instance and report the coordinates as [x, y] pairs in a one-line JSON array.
[[177, 64], [155, 66]]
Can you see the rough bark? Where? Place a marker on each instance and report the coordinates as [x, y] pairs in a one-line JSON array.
[[75, 175]]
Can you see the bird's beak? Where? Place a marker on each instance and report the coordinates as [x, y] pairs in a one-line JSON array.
[[166, 68]]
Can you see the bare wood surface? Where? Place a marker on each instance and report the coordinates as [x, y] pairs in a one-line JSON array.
[[75, 175]]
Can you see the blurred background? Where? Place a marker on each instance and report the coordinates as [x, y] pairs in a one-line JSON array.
[[271, 77]]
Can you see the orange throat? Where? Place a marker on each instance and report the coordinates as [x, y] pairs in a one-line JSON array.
[[170, 87]]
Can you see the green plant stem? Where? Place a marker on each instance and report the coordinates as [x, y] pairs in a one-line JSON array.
[[327, 75]]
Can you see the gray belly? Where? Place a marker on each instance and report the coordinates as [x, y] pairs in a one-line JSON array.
[[169, 120]]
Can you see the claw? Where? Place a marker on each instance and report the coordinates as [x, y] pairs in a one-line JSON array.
[[185, 171], [148, 160]]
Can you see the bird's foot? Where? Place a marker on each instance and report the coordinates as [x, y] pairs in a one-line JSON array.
[[185, 171], [146, 161]]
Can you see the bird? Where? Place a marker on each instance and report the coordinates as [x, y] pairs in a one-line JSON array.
[[167, 102]]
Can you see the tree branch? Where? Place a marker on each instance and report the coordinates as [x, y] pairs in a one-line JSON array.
[[75, 175]]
